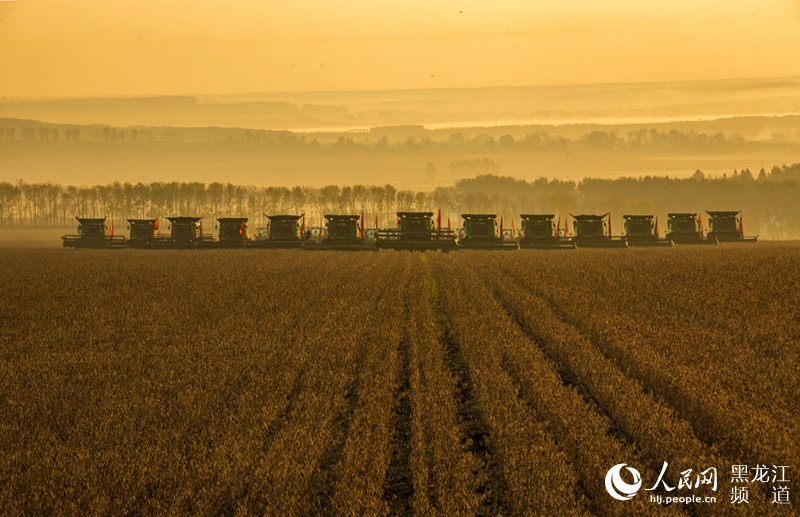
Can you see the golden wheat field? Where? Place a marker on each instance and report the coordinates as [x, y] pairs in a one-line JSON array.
[[283, 382]]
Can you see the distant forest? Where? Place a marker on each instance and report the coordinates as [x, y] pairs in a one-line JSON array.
[[768, 199], [413, 138]]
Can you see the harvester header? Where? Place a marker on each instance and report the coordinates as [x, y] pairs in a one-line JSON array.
[[416, 231]]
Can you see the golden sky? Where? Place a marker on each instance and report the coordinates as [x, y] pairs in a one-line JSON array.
[[150, 47]]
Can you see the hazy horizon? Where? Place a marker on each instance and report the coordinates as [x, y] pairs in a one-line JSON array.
[[433, 108], [254, 96]]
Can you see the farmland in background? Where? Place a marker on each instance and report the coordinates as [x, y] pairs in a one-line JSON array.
[[283, 382]]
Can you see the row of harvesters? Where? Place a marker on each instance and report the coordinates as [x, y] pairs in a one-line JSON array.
[[416, 231]]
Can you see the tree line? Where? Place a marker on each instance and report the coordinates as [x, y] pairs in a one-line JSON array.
[[768, 200]]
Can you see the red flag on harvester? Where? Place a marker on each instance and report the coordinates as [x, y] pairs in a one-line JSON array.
[[566, 227], [439, 221], [741, 225], [448, 222], [241, 230], [501, 226], [111, 230], [201, 228], [700, 223], [155, 227], [362, 224], [655, 231], [609, 224]]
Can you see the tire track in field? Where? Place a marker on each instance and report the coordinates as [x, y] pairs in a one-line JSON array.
[[502, 294], [323, 481], [658, 381], [643, 428], [271, 430], [274, 427], [282, 417], [573, 419], [474, 428], [568, 378], [569, 381], [399, 482], [536, 470]]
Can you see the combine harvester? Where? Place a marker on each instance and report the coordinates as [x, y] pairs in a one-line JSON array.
[[92, 234], [144, 232], [640, 231], [283, 231], [686, 228], [540, 232], [232, 232], [416, 231], [590, 232], [343, 233], [727, 227], [480, 232], [185, 233]]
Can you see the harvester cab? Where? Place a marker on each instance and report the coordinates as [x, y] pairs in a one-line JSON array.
[[480, 231], [93, 233], [187, 232], [143, 232], [416, 231], [539, 231], [640, 230], [343, 232], [727, 227], [233, 231], [591, 232], [343, 228], [686, 228], [284, 231]]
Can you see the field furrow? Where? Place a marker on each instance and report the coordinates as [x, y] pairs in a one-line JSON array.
[[652, 429], [536, 472], [694, 396]]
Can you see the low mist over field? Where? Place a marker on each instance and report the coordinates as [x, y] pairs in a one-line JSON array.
[[415, 139], [601, 104]]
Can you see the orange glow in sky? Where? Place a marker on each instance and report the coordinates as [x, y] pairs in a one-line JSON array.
[[150, 47]]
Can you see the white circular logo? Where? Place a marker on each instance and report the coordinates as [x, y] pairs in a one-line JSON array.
[[619, 489]]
